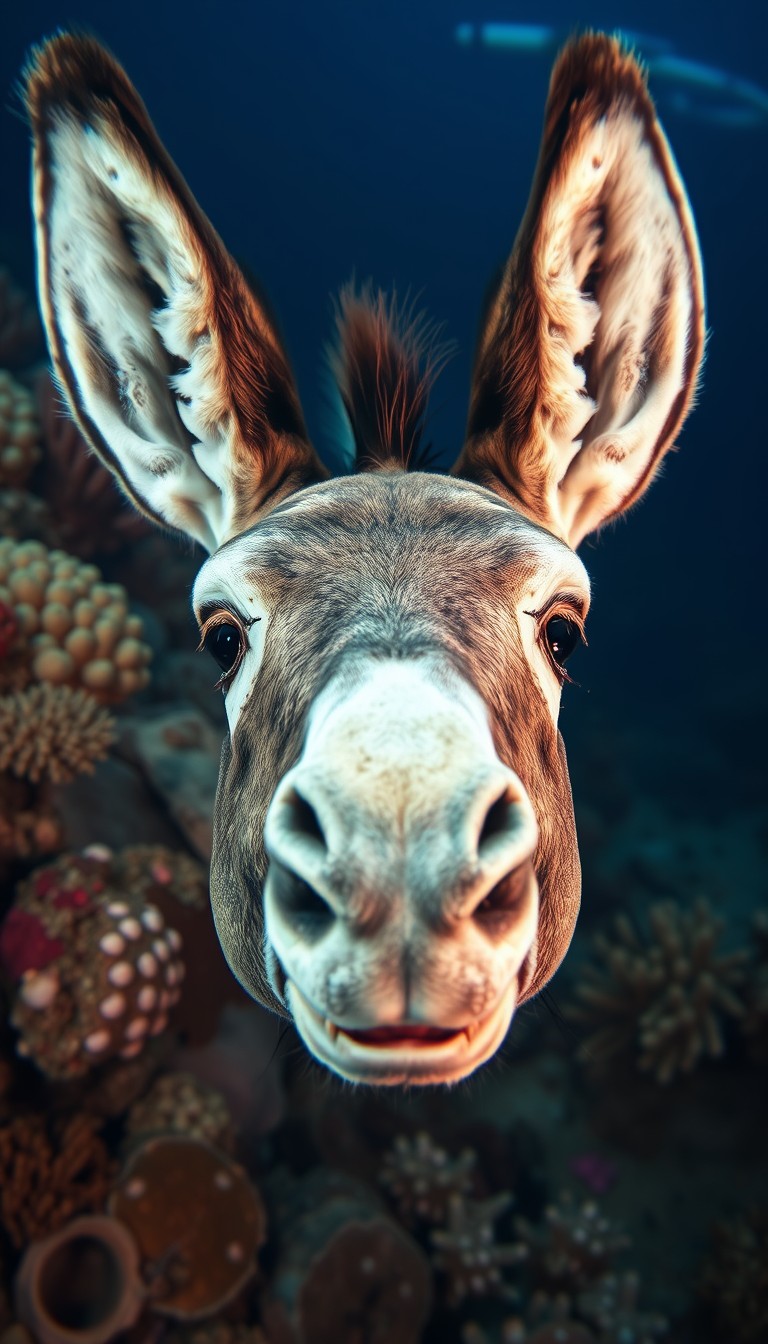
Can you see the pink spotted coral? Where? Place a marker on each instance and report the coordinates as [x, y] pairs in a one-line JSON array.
[[94, 970]]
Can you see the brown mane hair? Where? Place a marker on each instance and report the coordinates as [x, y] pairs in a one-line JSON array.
[[385, 362]]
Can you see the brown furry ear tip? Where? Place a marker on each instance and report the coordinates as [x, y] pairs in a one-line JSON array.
[[71, 69], [602, 66]]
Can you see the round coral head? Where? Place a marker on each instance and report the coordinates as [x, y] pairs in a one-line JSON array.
[[197, 1220]]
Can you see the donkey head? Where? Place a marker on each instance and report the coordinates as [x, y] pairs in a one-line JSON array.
[[395, 863]]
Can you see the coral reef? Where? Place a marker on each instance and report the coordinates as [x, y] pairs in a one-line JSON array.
[[197, 1220], [73, 629], [611, 1306], [89, 516], [178, 1103], [345, 1271], [572, 1248], [20, 328], [49, 1173], [733, 1283], [29, 826], [93, 967], [83, 1281], [660, 1002], [421, 1178], [24, 516], [467, 1254], [52, 733], [19, 433]]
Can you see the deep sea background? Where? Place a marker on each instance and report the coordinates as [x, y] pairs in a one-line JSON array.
[[331, 139]]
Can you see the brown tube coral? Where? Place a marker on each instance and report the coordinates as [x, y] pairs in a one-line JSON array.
[[81, 1285]]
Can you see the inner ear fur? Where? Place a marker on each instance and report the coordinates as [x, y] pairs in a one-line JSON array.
[[588, 355], [169, 359]]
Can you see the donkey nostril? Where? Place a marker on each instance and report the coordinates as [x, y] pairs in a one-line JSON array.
[[300, 903], [304, 820], [496, 820], [503, 899]]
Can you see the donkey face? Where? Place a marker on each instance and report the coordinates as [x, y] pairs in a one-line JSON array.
[[395, 861]]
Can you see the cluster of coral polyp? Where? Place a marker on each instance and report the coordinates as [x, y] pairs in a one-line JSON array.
[[73, 629], [93, 969]]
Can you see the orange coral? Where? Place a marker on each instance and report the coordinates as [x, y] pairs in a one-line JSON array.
[[52, 733], [49, 1175], [75, 630]]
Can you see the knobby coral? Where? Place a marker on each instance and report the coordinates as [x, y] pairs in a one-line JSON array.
[[74, 630], [52, 733], [177, 1103], [660, 1002]]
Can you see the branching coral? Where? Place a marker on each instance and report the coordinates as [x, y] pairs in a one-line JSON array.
[[74, 630], [572, 1293], [574, 1245], [19, 432], [49, 1174], [467, 1254], [546, 1321], [52, 733], [733, 1286], [422, 1179], [661, 1002], [611, 1306]]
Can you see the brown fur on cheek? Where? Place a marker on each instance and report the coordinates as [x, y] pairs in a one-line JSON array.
[[528, 742]]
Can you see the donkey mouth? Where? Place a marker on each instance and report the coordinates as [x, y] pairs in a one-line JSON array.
[[407, 1034], [405, 1052]]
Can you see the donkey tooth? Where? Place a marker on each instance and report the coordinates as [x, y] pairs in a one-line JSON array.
[[331, 1028]]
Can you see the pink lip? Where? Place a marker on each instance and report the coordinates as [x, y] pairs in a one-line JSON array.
[[401, 1035]]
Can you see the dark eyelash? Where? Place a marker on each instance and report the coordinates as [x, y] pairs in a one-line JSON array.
[[570, 600], [574, 607]]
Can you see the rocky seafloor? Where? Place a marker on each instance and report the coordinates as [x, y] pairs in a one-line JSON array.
[[602, 1180]]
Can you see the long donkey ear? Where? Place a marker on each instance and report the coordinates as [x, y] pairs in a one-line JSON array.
[[171, 364], [588, 357]]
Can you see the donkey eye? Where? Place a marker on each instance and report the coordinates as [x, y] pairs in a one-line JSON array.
[[224, 641], [562, 636]]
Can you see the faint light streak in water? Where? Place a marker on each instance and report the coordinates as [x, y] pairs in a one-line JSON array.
[[690, 88]]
